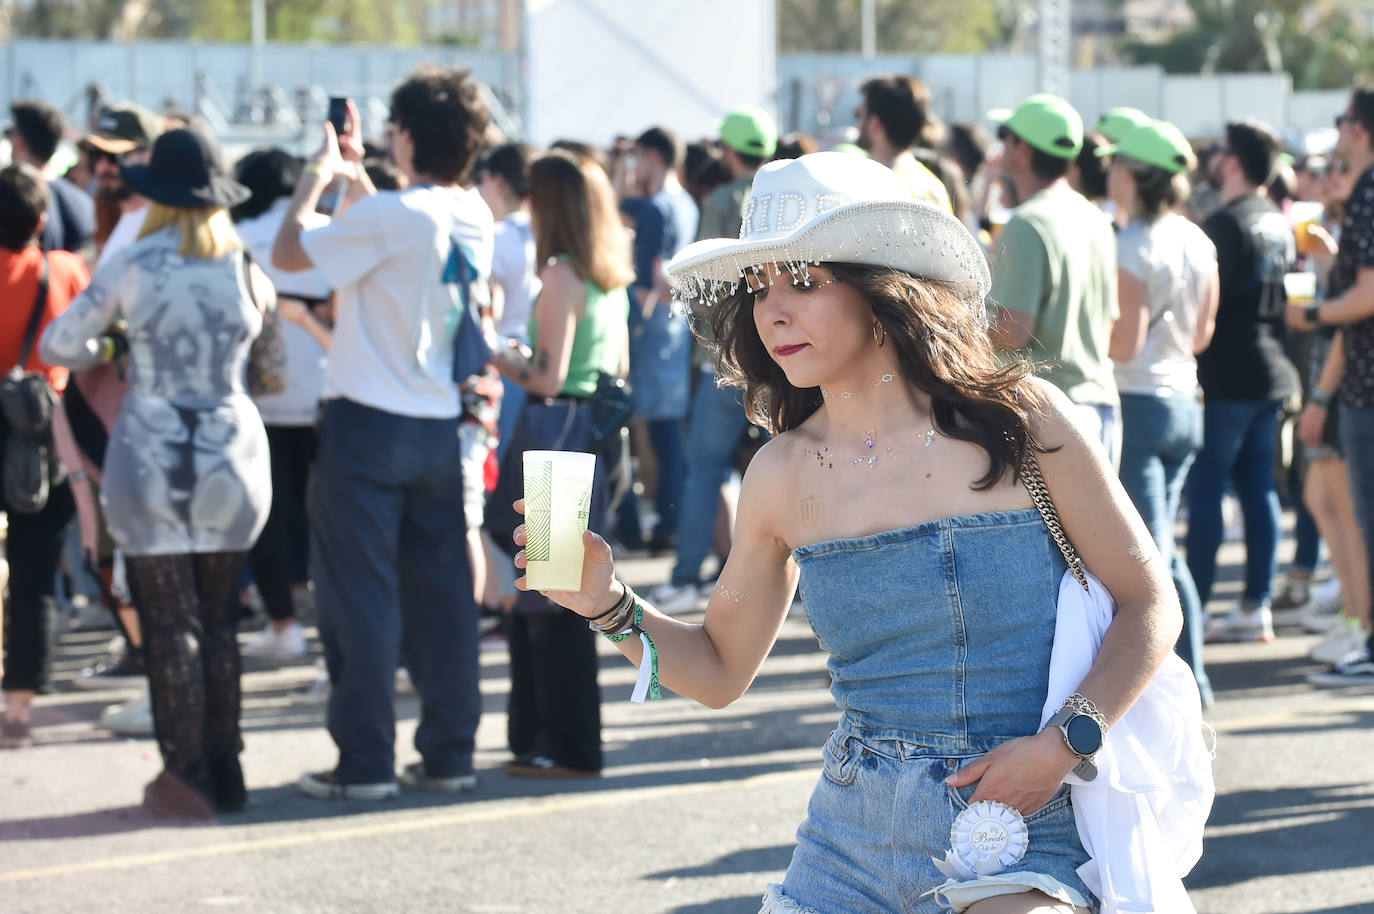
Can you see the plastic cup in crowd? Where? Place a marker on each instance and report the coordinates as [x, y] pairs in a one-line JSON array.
[[558, 499], [1301, 288]]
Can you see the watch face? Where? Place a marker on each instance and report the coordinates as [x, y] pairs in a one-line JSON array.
[[1085, 736]]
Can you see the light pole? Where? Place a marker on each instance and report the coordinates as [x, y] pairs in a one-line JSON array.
[[259, 38], [1055, 34], [869, 29]]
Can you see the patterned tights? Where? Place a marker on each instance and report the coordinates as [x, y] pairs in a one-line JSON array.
[[191, 650]]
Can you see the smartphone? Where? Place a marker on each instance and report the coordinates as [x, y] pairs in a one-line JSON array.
[[338, 114]]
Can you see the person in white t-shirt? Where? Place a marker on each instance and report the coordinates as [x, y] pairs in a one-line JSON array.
[[1168, 289], [503, 178], [388, 552], [278, 557]]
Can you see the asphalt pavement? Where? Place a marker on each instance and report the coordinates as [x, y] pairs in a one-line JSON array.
[[695, 813]]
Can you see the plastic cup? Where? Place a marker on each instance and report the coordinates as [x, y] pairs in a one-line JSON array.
[[1300, 288], [558, 500]]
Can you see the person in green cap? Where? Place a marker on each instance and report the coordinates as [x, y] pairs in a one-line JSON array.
[[1168, 290], [1116, 123], [1054, 272], [715, 419]]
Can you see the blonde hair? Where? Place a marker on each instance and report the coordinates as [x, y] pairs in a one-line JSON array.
[[205, 231]]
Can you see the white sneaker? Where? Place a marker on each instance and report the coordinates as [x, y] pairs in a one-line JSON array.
[[1241, 624], [316, 694], [271, 644], [1344, 636], [1326, 605], [671, 599], [133, 718]]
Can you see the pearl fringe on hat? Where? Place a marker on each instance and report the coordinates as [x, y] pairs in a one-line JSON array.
[[829, 207]]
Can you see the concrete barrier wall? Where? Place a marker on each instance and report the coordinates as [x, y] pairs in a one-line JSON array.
[[815, 93]]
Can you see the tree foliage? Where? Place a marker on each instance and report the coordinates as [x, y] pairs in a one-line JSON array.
[[903, 26], [1317, 42], [390, 22]]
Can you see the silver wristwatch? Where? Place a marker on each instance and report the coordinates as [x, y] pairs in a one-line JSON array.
[[1083, 728]]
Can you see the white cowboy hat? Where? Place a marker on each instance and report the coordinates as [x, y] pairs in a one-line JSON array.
[[833, 207]]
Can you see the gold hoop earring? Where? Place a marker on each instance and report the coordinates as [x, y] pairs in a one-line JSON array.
[[879, 333]]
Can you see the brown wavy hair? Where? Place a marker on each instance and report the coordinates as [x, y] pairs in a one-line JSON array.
[[941, 348], [573, 211]]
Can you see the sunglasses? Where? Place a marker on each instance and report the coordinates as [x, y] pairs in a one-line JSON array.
[[100, 155], [1340, 167]]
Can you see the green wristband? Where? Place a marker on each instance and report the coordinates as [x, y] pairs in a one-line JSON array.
[[647, 685]]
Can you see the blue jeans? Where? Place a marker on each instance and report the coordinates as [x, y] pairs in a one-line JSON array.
[[1160, 438], [1357, 443], [665, 437], [851, 857], [390, 564], [1240, 438], [512, 398], [1308, 539], [715, 425]]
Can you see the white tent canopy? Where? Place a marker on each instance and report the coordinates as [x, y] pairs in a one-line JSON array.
[[598, 68]]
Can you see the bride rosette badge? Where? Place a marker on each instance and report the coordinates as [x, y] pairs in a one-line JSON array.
[[985, 839]]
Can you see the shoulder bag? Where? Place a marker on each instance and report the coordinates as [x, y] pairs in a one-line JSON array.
[[27, 401]]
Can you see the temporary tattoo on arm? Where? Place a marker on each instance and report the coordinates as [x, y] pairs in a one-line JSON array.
[[812, 510], [734, 596], [542, 362], [1140, 555]]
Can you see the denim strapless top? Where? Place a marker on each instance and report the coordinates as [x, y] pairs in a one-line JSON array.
[[940, 633]]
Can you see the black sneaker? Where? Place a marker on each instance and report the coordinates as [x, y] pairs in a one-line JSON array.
[[122, 668], [325, 785], [1355, 668], [414, 777]]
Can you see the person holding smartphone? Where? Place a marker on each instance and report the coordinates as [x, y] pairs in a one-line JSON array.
[[388, 551]]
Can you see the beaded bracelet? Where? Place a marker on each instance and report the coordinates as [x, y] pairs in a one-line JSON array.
[[647, 684]]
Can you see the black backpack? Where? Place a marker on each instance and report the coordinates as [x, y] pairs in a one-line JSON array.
[[29, 466]]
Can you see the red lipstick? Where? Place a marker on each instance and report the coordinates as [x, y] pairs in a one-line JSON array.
[[781, 351]]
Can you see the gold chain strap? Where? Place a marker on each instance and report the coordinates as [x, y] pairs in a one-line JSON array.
[[1040, 494]]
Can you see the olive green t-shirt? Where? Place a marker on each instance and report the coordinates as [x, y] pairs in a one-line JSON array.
[[1056, 261]]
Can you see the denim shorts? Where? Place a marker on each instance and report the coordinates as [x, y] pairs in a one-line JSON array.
[[882, 810]]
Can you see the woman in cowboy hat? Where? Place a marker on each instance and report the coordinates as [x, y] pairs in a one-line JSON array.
[[905, 492], [187, 483]]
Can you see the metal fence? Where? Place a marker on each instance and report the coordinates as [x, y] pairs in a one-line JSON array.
[[279, 91]]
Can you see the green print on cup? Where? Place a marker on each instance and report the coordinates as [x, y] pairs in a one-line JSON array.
[[558, 498], [538, 502]]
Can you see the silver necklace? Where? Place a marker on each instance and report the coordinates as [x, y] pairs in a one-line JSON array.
[[886, 378]]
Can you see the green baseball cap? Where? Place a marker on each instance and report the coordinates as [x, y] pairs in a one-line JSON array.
[[1046, 122], [1157, 143], [851, 148], [750, 131], [1115, 123]]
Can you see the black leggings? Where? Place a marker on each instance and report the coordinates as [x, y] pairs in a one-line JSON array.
[[278, 558], [34, 551], [189, 617]]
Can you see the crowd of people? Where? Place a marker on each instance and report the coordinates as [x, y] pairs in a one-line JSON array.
[[254, 380]]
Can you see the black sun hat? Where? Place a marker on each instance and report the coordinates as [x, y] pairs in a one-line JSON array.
[[186, 171]]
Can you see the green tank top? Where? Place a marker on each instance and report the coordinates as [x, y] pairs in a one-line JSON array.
[[597, 340]]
